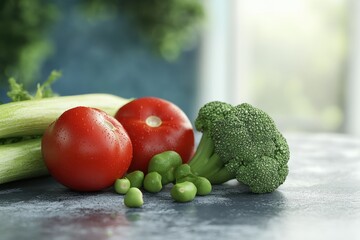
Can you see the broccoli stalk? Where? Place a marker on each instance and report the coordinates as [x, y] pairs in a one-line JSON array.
[[207, 163], [240, 142]]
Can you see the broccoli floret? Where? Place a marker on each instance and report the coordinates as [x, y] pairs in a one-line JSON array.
[[209, 113], [240, 142]]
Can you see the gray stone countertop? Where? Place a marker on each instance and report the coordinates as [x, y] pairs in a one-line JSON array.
[[319, 200]]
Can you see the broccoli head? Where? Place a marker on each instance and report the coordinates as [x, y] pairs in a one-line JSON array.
[[240, 142]]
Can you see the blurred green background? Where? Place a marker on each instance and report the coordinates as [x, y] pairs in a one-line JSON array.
[[294, 59], [124, 47]]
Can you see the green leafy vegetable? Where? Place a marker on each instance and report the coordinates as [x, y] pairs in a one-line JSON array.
[[18, 93], [240, 142]]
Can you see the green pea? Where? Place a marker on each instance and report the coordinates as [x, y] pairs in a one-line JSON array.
[[122, 185], [183, 192], [203, 186], [136, 178], [133, 198], [152, 182], [165, 163], [182, 171]]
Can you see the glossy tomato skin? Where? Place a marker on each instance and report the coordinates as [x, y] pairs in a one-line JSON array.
[[86, 150], [174, 133]]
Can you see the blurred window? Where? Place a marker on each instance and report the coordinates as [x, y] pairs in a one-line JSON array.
[[286, 57]]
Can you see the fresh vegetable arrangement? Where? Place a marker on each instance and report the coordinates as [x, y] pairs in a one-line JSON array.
[[139, 144], [238, 142]]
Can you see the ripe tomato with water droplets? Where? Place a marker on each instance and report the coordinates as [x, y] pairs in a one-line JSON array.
[[86, 149], [156, 125]]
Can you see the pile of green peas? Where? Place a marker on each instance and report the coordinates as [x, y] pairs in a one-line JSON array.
[[164, 168]]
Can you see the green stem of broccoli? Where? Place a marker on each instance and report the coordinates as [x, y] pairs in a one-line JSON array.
[[203, 153], [207, 163], [221, 176], [213, 165]]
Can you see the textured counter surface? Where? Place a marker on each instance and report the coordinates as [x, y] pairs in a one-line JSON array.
[[319, 200]]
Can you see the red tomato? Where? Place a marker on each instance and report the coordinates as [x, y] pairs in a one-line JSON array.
[[86, 150], [154, 126]]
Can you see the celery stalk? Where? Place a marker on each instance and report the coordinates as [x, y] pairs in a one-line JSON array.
[[32, 117], [21, 160]]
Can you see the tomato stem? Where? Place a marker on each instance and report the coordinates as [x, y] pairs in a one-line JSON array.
[[153, 121]]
